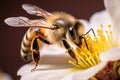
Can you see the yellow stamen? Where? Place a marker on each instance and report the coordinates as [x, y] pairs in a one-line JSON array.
[[97, 44]]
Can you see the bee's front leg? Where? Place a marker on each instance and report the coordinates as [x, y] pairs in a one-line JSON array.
[[35, 52], [69, 49], [91, 29], [82, 37]]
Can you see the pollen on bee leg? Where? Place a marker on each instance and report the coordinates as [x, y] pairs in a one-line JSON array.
[[97, 44]]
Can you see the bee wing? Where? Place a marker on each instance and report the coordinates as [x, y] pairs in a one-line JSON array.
[[34, 10], [23, 21]]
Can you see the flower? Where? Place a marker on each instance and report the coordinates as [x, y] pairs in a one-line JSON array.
[[54, 65], [88, 53]]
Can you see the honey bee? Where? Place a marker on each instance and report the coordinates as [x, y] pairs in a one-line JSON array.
[[54, 28]]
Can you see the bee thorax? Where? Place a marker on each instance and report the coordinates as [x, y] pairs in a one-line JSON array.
[[55, 36]]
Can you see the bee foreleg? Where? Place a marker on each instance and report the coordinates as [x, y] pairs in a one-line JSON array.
[[69, 49], [91, 29], [84, 41], [35, 52]]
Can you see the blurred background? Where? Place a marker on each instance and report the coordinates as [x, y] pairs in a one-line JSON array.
[[11, 37]]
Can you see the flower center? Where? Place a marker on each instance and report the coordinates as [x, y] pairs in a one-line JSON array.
[[102, 42]]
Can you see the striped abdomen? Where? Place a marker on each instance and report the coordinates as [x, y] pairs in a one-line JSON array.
[[26, 52]]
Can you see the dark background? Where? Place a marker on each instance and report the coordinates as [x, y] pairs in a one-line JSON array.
[[10, 37]]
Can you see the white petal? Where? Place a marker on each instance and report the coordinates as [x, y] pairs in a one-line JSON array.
[[44, 72], [112, 54], [113, 7], [99, 18], [86, 74], [53, 65], [96, 20], [53, 54]]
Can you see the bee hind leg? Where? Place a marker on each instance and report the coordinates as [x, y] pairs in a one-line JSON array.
[[35, 50], [69, 49], [35, 53]]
